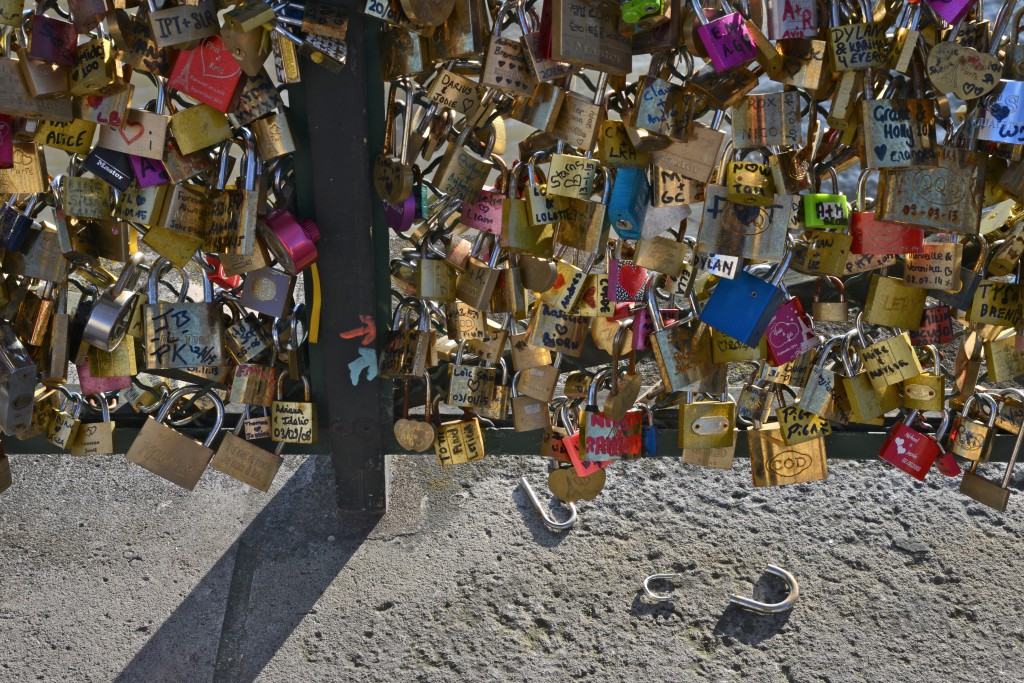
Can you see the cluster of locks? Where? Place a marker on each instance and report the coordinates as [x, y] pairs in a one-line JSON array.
[[77, 285], [632, 222]]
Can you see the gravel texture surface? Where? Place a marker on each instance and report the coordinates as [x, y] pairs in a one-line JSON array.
[[109, 573]]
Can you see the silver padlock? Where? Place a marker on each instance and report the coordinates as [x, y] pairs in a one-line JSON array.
[[108, 321]]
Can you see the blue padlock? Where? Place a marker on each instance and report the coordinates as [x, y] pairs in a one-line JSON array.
[[743, 307], [648, 432], [631, 197]]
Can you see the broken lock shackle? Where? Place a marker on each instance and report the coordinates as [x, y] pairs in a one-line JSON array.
[[554, 524]]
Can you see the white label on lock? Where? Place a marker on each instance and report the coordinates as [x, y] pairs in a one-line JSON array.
[[711, 426], [718, 264]]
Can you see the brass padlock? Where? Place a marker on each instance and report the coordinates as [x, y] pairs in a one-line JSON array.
[[293, 421], [170, 454], [706, 424], [969, 438], [246, 462], [830, 311]]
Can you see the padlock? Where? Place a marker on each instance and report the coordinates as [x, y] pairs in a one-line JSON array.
[[602, 439], [1005, 362], [935, 266], [624, 390], [104, 371], [253, 384], [726, 39], [969, 438], [292, 241], [95, 438], [459, 441], [267, 291], [469, 386], [170, 454], [64, 425], [828, 211], [743, 307], [996, 303], [792, 19], [909, 450], [927, 391], [182, 335], [830, 311], [865, 400], [681, 350], [890, 361], [406, 353], [773, 463], [936, 327], [293, 421], [857, 46], [528, 413], [17, 382], [497, 408], [244, 337], [246, 462], [749, 183], [796, 425], [505, 64], [822, 393], [994, 494], [874, 236], [476, 283], [767, 120], [893, 304], [706, 424], [462, 172], [630, 199], [231, 213], [553, 328], [111, 314], [790, 333], [256, 428]]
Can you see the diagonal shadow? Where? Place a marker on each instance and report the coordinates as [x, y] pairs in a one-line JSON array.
[[265, 583]]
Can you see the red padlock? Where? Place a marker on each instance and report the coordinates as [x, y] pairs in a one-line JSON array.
[[291, 241], [872, 236], [936, 327], [208, 73], [909, 449], [219, 277]]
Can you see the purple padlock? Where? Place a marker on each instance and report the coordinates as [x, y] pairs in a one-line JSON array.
[[726, 39], [951, 11], [149, 172], [401, 215]]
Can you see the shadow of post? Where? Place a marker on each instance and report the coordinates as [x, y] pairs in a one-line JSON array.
[[260, 590]]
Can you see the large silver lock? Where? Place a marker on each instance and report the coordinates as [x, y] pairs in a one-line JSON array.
[[108, 321]]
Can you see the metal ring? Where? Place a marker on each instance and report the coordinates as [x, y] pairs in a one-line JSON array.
[[659, 597], [772, 607], [542, 511]]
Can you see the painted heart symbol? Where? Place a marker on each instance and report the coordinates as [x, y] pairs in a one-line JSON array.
[[899, 445], [498, 79], [559, 282], [94, 101], [501, 63], [215, 59], [590, 297], [880, 151], [128, 137], [632, 279], [998, 110]]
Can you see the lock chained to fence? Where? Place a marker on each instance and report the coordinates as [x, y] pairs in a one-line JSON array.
[[195, 185], [656, 218], [668, 215]]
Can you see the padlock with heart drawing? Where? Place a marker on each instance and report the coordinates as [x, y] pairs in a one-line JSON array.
[[910, 450]]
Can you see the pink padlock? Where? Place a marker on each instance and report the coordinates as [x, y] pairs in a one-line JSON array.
[[99, 385], [291, 241], [485, 212], [790, 333], [726, 39]]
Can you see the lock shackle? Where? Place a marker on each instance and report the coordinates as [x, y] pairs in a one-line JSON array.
[[816, 174], [990, 403], [542, 510], [776, 607], [157, 271], [306, 387], [652, 304], [618, 344], [602, 376], [840, 287], [178, 394], [999, 27], [940, 432], [129, 276], [933, 351], [862, 188], [983, 253], [780, 270], [824, 350]]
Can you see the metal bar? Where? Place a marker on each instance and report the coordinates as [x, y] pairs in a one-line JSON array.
[[350, 403], [838, 445]]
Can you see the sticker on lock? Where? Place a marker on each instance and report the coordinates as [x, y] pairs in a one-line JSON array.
[[710, 425]]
